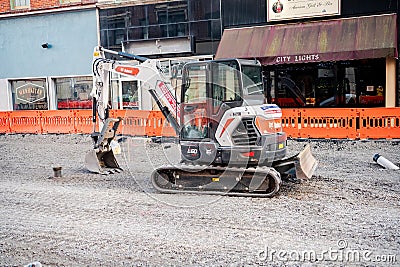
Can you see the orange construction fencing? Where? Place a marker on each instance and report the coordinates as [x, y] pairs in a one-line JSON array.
[[379, 123], [83, 121], [5, 126], [135, 122], [338, 123], [58, 121], [159, 125], [328, 123], [27, 121], [290, 122]]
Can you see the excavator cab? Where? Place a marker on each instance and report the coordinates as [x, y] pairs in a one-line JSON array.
[[206, 94], [222, 116]]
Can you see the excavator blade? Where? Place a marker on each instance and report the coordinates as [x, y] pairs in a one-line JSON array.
[[301, 165], [305, 164]]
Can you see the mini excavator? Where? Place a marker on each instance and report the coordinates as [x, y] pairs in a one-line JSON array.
[[231, 140]]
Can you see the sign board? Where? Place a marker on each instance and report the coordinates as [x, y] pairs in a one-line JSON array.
[[296, 9], [30, 93], [184, 44]]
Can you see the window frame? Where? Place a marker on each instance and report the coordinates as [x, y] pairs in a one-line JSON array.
[[66, 2], [13, 4]]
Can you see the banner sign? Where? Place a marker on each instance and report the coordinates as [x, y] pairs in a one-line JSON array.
[[295, 9], [30, 93]]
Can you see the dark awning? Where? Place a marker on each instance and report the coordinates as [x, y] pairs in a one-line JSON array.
[[331, 40]]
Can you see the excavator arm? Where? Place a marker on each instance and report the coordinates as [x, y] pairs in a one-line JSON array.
[[101, 159]]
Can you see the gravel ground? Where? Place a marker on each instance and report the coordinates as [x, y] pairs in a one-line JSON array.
[[347, 214]]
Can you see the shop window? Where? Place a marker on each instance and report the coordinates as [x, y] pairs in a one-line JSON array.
[[74, 93], [15, 4], [329, 84], [29, 94], [130, 97]]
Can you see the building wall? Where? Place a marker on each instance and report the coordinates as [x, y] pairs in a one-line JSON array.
[[71, 37]]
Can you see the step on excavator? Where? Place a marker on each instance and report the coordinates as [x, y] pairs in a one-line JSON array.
[[231, 140]]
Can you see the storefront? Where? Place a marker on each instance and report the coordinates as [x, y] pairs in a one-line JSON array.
[[349, 62], [51, 93], [46, 59]]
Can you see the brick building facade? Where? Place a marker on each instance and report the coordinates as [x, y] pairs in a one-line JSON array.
[[13, 6]]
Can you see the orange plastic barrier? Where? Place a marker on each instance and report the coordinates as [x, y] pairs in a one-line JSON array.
[[290, 122], [160, 125], [328, 123], [379, 123], [5, 126], [367, 123], [134, 122], [25, 121], [83, 121], [58, 121], [167, 129]]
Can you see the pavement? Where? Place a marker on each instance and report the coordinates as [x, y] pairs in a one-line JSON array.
[[347, 214]]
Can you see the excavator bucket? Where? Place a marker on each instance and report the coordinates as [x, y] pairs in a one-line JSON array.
[[101, 159], [101, 162], [302, 165]]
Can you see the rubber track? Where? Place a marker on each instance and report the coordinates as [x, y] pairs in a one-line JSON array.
[[191, 168]]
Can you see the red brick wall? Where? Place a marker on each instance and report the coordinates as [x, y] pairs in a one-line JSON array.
[[4, 6], [40, 5], [44, 4]]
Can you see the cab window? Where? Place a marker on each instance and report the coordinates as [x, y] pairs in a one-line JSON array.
[[225, 83]]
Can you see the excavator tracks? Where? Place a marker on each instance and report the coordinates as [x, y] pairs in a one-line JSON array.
[[217, 180]]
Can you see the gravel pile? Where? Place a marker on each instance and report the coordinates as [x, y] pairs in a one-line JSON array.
[[347, 214]]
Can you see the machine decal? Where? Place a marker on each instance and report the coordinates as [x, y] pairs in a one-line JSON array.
[[192, 151], [127, 70], [266, 126], [270, 109], [170, 98], [228, 122]]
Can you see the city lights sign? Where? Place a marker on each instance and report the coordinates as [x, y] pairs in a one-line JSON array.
[[295, 9], [30, 93]]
